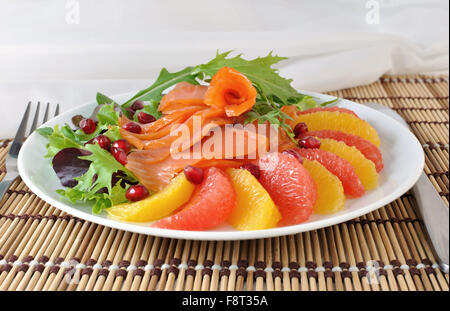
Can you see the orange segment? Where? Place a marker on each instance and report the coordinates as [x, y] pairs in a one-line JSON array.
[[365, 169], [157, 206], [254, 209], [330, 109], [339, 167], [294, 112], [330, 192], [338, 121]]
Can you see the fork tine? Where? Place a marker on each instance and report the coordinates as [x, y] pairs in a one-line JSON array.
[[46, 113], [57, 110], [18, 140], [35, 119]]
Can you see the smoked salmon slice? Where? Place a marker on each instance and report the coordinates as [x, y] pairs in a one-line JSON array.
[[176, 116], [184, 94], [231, 91], [155, 168]]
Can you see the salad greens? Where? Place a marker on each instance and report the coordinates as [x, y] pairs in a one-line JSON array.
[[103, 167], [106, 181]]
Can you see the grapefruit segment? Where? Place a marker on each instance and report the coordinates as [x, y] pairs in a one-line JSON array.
[[365, 169], [211, 204], [339, 167], [289, 185], [254, 209], [330, 193], [369, 150]]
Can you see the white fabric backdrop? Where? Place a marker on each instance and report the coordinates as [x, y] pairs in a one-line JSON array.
[[64, 51]]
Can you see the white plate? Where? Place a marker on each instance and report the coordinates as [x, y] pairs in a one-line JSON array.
[[402, 155]]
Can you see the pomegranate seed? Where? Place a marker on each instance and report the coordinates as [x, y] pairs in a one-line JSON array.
[[136, 193], [122, 144], [103, 141], [137, 105], [309, 142], [294, 153], [132, 127], [119, 155], [252, 168], [88, 126], [193, 174], [145, 118], [299, 129]]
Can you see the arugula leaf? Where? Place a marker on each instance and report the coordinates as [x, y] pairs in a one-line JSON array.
[[103, 99], [330, 103], [164, 81]]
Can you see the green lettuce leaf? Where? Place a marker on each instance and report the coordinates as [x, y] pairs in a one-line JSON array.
[[58, 139], [107, 115], [103, 166]]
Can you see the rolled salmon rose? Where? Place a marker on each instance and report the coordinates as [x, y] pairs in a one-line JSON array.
[[232, 91]]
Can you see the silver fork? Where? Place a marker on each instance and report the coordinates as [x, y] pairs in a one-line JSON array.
[[11, 158]]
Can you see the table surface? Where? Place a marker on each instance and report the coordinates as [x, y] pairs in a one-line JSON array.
[[42, 248]]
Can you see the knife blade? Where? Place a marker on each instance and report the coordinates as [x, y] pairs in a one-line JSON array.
[[434, 212]]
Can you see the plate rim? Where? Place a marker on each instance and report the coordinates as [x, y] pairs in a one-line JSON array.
[[224, 235]]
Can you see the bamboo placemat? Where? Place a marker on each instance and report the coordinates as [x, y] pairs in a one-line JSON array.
[[42, 248]]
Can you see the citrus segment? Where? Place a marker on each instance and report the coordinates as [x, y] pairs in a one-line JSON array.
[[157, 206], [329, 109], [365, 169], [345, 122], [254, 209], [210, 205], [330, 193], [339, 167], [369, 150], [289, 185]]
